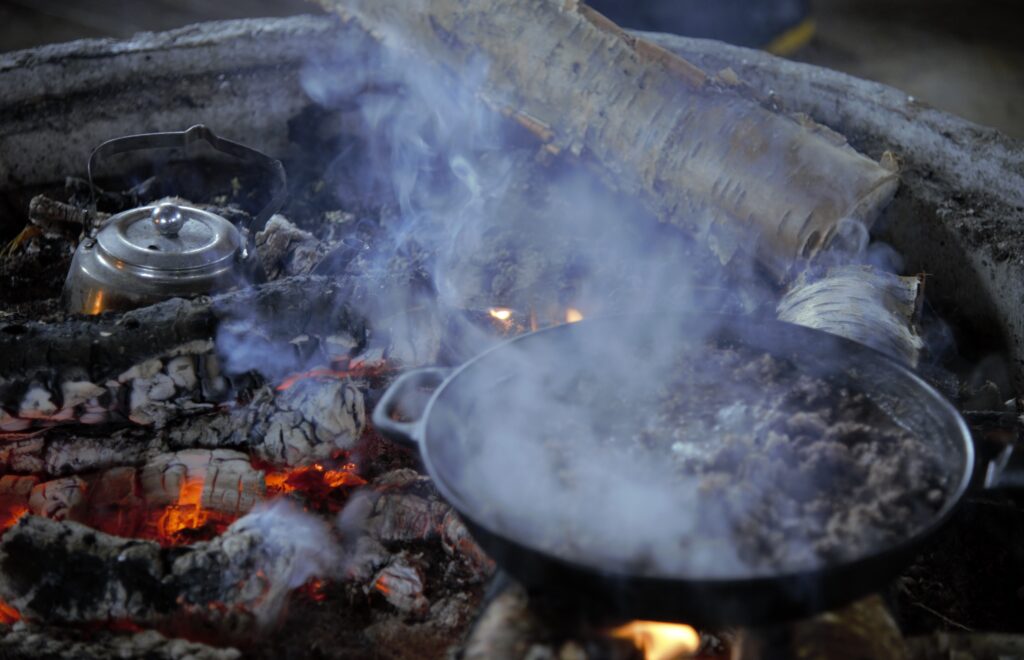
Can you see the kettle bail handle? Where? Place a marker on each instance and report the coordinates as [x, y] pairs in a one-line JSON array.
[[197, 133]]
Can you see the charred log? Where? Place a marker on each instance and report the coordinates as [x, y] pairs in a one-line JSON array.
[[28, 641], [302, 424], [64, 572], [96, 349], [170, 492]]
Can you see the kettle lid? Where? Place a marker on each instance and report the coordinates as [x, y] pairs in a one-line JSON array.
[[169, 237]]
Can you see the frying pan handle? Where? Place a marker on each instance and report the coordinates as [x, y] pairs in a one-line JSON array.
[[406, 432]]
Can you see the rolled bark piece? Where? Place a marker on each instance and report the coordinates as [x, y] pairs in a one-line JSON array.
[[869, 306], [703, 156]]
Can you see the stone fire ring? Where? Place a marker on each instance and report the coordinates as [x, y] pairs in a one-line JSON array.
[[959, 215]]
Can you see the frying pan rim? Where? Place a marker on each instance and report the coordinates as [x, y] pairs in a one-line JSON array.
[[906, 544]]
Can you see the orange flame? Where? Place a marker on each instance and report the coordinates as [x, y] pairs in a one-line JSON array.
[[313, 477], [660, 641], [500, 313], [381, 585], [187, 513], [573, 315], [324, 487], [9, 516], [8, 614]]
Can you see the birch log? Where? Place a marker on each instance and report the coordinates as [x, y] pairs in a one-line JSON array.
[[742, 178]]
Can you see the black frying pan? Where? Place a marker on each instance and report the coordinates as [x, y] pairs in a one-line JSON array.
[[440, 433]]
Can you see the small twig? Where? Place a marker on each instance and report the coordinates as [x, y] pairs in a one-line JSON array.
[[939, 615]]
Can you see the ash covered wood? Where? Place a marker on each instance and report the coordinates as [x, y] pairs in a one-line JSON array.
[[302, 424], [64, 572], [285, 250], [119, 499], [230, 484], [30, 641], [101, 347], [55, 453], [299, 425]]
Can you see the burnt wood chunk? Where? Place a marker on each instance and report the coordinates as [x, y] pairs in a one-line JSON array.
[[65, 572], [32, 641], [104, 346]]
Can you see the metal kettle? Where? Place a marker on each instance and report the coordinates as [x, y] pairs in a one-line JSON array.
[[152, 253]]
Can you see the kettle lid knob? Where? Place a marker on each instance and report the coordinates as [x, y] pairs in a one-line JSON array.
[[168, 219]]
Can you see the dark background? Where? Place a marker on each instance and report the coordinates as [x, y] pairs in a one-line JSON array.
[[963, 56]]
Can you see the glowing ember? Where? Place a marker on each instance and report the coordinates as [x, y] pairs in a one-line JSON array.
[[573, 315], [313, 478], [315, 589], [8, 614], [501, 313], [9, 516], [381, 585], [324, 486], [660, 641], [188, 513], [342, 368]]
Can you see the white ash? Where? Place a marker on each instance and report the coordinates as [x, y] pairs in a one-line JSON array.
[[230, 483], [25, 455], [365, 558], [65, 572], [285, 250], [50, 453], [59, 499], [303, 424], [401, 582], [397, 509], [23, 640], [65, 455], [185, 380], [460, 545]]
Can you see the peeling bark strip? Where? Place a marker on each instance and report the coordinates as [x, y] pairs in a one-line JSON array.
[[869, 306], [701, 155]]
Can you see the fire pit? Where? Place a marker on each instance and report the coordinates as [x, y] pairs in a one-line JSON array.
[[199, 476]]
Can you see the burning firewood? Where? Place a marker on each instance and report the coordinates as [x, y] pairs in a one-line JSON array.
[[870, 306], [24, 641], [700, 153], [172, 492], [65, 572], [299, 425], [96, 349]]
